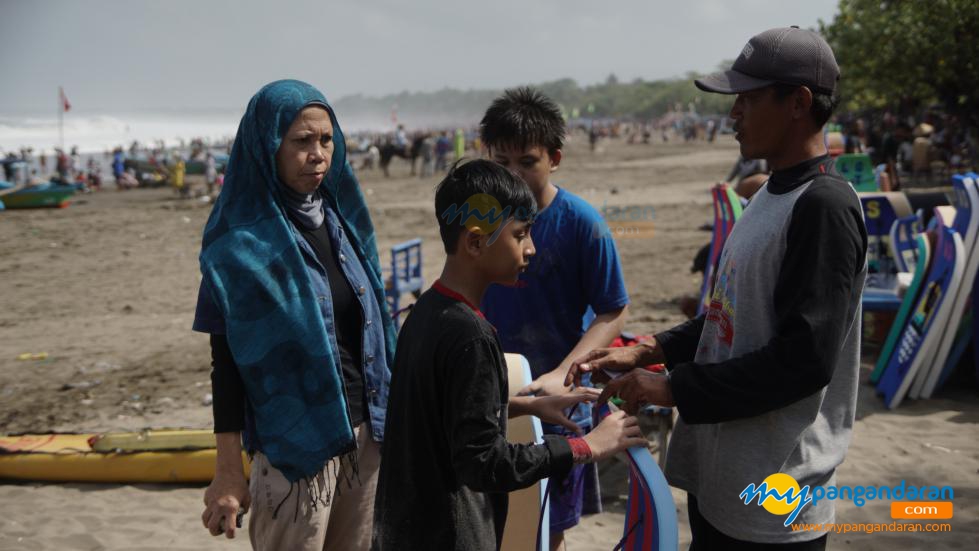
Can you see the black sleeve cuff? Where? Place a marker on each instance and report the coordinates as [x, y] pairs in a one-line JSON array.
[[683, 398], [561, 458], [679, 344]]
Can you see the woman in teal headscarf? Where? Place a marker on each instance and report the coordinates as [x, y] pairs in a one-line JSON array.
[[293, 298]]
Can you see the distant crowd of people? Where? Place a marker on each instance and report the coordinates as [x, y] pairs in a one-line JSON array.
[[913, 148]]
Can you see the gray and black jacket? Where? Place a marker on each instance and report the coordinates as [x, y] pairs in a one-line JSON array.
[[766, 380]]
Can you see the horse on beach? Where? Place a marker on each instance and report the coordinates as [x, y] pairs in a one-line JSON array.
[[390, 150]]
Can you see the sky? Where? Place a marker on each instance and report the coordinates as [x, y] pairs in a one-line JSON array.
[[117, 56]]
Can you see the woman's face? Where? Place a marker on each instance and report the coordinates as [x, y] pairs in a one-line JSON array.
[[304, 155]]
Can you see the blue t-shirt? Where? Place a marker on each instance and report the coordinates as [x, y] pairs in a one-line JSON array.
[[576, 266]]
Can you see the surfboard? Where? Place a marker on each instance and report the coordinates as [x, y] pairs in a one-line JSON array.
[[975, 333], [966, 200], [945, 215], [932, 309], [923, 243], [176, 456], [650, 518], [727, 210], [880, 211], [904, 250], [528, 508], [962, 340]]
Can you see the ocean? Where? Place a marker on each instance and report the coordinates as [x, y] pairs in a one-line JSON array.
[[96, 133]]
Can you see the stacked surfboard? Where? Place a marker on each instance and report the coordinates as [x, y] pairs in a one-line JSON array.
[[884, 288], [929, 335], [727, 210]]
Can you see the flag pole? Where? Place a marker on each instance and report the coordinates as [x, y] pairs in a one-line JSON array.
[[61, 117]]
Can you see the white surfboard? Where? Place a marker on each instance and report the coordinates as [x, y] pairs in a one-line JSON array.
[[921, 333]]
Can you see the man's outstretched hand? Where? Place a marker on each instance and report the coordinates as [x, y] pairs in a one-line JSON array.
[[623, 358]]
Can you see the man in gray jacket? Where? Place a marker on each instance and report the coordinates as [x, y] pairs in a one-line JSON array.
[[765, 381]]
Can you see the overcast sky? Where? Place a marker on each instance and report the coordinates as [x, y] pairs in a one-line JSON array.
[[120, 56]]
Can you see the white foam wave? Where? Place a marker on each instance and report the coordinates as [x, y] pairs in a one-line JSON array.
[[94, 133]]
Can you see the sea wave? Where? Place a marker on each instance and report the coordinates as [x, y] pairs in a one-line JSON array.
[[96, 133]]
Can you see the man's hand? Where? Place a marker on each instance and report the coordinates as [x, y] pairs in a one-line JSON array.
[[638, 388], [615, 433], [548, 384], [227, 493], [551, 409], [614, 359]]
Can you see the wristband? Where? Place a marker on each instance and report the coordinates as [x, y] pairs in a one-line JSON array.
[[656, 368], [580, 451]]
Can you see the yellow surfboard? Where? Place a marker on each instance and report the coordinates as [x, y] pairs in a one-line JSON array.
[[148, 456]]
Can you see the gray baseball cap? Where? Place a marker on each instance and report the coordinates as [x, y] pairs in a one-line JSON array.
[[786, 55]]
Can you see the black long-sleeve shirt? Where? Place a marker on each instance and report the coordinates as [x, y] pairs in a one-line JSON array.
[[446, 464], [826, 245]]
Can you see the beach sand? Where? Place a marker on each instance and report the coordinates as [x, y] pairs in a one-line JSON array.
[[107, 287]]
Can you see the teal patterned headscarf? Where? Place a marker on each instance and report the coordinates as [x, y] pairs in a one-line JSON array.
[[259, 282]]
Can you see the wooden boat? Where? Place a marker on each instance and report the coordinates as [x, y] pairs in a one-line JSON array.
[[48, 194]]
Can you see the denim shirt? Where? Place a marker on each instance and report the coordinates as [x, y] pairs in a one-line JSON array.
[[377, 374]]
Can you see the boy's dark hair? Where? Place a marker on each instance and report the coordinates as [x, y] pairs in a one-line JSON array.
[[521, 118], [467, 178], [822, 107]]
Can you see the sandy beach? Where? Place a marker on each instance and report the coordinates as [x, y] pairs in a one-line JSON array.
[[107, 288]]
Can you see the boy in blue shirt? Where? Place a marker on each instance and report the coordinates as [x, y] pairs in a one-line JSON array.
[[576, 267]]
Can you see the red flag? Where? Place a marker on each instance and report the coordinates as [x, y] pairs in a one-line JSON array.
[[64, 99]]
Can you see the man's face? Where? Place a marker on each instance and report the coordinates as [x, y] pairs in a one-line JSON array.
[[509, 254], [533, 164], [761, 122]]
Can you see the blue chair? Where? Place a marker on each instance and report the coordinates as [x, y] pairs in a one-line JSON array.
[[405, 275]]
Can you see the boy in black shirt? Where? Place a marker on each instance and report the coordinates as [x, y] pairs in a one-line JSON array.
[[447, 466]]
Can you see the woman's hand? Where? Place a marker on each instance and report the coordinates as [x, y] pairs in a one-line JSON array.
[[224, 497], [228, 492]]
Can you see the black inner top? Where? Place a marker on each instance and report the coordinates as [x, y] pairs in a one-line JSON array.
[[346, 319], [788, 179]]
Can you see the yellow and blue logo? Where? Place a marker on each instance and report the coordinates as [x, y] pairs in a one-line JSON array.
[[481, 214], [779, 494]]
